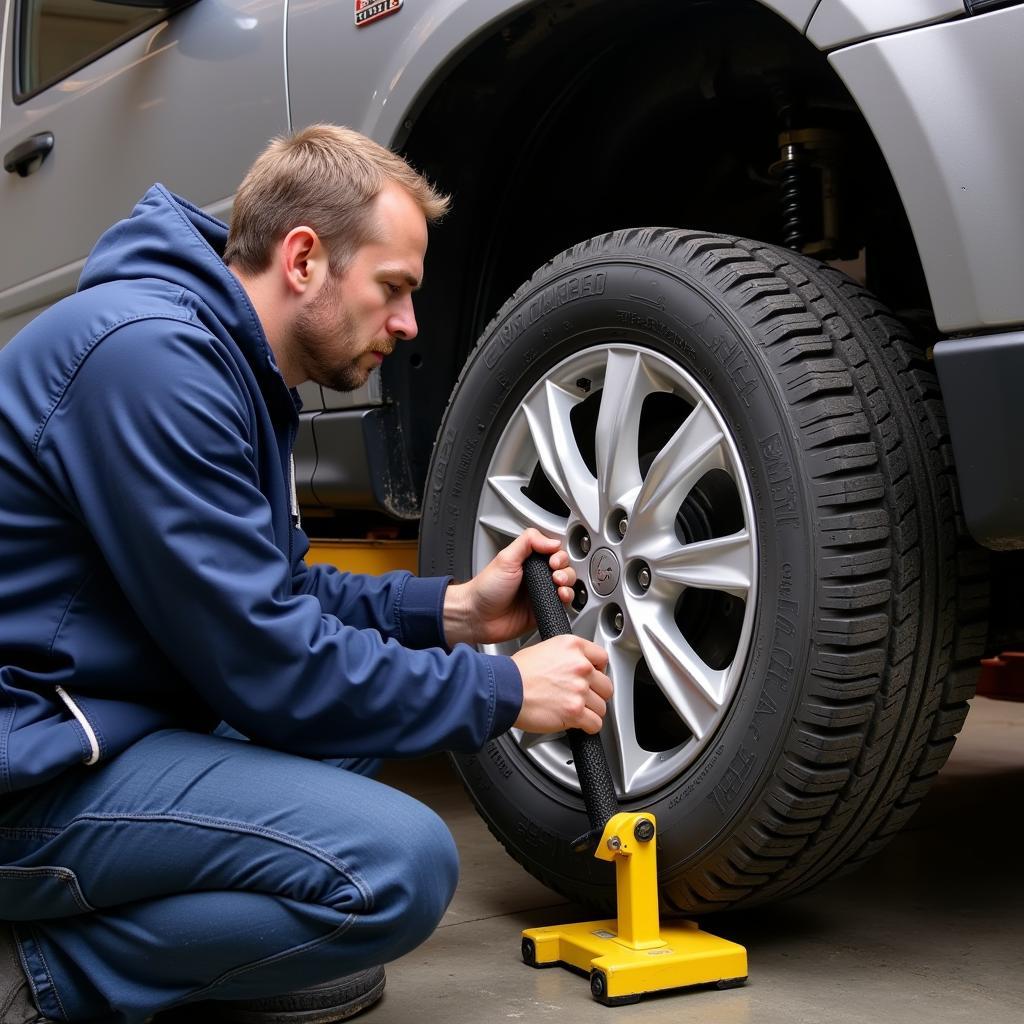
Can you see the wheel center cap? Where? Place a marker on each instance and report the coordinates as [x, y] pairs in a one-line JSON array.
[[604, 571]]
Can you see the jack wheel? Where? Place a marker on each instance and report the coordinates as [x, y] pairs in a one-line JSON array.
[[598, 985], [529, 950]]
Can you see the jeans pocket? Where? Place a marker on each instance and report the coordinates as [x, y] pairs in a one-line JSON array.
[[40, 893]]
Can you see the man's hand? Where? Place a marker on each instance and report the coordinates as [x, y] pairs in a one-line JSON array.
[[493, 606], [564, 685]]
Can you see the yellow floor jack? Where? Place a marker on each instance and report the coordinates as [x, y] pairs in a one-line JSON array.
[[633, 955]]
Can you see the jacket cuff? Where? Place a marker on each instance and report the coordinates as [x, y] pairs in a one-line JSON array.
[[421, 612], [508, 694]]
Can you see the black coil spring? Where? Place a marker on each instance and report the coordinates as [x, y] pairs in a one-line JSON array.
[[791, 188]]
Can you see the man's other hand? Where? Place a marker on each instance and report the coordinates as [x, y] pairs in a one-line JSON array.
[[494, 606], [564, 685]]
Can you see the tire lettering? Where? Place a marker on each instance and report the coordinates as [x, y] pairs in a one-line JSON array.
[[780, 480], [475, 775], [531, 834], [652, 324], [732, 781], [499, 762], [546, 301], [730, 353], [450, 530], [442, 455], [465, 461], [781, 660], [691, 786]]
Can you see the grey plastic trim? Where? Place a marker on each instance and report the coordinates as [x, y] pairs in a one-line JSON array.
[[342, 477], [841, 22], [305, 456], [362, 463], [943, 103], [981, 380]]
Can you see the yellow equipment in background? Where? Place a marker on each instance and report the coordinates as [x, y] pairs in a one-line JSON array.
[[369, 556]]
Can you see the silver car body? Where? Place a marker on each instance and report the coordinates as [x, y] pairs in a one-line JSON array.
[[192, 99], [942, 100]]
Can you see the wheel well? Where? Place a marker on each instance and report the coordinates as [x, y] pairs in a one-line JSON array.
[[576, 118]]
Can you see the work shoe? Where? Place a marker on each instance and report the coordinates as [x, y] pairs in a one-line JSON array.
[[16, 1006], [320, 1004]]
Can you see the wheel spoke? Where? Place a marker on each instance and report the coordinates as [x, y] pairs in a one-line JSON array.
[[626, 757], [515, 511], [547, 413], [533, 739], [627, 382], [586, 622], [697, 447], [721, 563], [691, 687]]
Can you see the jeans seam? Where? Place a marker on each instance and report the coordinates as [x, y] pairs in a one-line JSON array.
[[49, 977], [246, 828], [66, 875], [275, 958], [5, 732], [23, 960], [28, 832]]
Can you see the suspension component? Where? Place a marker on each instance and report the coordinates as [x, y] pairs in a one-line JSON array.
[[808, 176]]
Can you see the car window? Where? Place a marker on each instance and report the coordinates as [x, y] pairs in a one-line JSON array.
[[57, 37]]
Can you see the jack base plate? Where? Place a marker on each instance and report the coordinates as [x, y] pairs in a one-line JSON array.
[[684, 957]]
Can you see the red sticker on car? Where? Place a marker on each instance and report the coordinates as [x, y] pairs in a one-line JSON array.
[[374, 10]]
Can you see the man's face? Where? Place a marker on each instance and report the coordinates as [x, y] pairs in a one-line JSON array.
[[358, 317]]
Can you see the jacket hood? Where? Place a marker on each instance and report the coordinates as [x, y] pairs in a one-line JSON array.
[[167, 238]]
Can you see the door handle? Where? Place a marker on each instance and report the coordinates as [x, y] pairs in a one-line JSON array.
[[27, 156]]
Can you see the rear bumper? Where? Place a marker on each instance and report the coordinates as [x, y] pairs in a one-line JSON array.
[[982, 383]]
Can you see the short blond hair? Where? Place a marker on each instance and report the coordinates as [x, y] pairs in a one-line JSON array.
[[326, 177]]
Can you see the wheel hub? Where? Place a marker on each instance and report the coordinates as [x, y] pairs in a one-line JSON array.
[[604, 571]]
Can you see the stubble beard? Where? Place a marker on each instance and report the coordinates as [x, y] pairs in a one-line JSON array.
[[315, 340]]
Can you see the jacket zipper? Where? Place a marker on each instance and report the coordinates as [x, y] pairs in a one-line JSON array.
[[294, 496], [296, 514], [94, 743]]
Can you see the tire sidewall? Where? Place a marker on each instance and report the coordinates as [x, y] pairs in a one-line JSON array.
[[635, 300]]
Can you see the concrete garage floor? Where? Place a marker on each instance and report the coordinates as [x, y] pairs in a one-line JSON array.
[[931, 931]]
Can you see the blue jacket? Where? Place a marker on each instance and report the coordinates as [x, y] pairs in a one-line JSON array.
[[151, 570]]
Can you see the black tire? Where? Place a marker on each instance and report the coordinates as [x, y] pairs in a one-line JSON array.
[[861, 663]]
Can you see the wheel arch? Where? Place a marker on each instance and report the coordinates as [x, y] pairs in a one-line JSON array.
[[556, 122]]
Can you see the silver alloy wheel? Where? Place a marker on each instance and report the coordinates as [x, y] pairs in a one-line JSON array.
[[633, 494]]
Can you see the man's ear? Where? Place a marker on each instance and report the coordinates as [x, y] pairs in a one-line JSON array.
[[303, 261]]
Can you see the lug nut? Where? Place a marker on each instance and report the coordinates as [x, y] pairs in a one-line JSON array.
[[623, 526], [581, 596], [618, 622], [643, 577], [585, 543]]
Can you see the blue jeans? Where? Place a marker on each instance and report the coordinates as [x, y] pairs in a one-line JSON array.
[[198, 867]]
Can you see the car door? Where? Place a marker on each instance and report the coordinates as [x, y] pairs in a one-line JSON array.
[[103, 98]]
